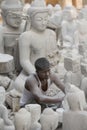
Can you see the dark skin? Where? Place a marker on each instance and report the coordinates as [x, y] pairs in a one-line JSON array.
[[32, 86]]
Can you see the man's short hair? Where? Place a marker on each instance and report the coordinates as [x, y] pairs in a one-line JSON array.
[[42, 64]]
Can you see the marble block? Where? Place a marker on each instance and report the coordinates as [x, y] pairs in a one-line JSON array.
[[72, 63]]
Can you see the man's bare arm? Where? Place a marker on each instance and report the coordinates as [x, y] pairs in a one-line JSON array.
[[57, 82], [32, 86]]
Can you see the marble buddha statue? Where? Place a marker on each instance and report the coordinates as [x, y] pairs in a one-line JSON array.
[[82, 36], [76, 116], [49, 119], [22, 120], [83, 13], [35, 43], [11, 11], [73, 70], [35, 111], [69, 28], [75, 98]]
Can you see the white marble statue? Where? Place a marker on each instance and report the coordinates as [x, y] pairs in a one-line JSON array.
[[35, 43], [50, 7], [8, 124], [55, 21], [22, 120], [69, 28], [49, 119], [74, 99], [72, 65], [56, 18], [82, 12], [82, 35], [11, 11], [26, 7], [35, 110], [76, 117]]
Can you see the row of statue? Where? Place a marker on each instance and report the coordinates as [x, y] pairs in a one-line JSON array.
[[28, 33]]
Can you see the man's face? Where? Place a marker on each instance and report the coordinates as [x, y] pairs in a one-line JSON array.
[[39, 21], [44, 74], [14, 18]]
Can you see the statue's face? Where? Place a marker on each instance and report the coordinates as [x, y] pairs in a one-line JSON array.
[[70, 15], [14, 18], [39, 21]]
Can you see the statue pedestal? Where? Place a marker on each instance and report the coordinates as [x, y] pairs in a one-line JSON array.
[[6, 63], [72, 63]]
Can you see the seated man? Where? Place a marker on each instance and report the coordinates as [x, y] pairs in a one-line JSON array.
[[37, 85]]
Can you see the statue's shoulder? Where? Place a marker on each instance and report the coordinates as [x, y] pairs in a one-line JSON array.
[[26, 34], [50, 31]]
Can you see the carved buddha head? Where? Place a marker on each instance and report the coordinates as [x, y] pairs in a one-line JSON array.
[[12, 12], [38, 13]]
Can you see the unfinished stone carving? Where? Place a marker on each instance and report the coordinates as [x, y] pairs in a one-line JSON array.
[[72, 65], [69, 28], [82, 37], [49, 119], [35, 110], [75, 98], [75, 118], [22, 120]]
